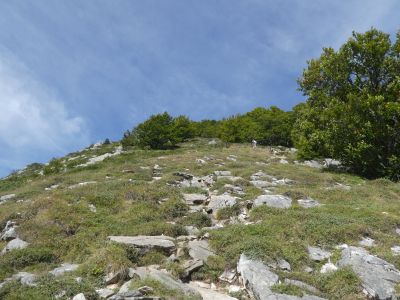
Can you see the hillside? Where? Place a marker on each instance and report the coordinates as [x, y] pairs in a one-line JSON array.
[[213, 222]]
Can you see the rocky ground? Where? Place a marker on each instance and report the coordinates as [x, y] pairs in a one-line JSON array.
[[203, 221]]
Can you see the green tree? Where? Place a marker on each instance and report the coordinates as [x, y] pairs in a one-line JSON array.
[[353, 108]]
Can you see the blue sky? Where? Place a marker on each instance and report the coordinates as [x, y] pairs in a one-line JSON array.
[[76, 72]]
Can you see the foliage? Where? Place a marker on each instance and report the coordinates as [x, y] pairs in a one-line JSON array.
[[353, 111]]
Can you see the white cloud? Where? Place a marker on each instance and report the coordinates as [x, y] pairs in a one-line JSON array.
[[33, 122]]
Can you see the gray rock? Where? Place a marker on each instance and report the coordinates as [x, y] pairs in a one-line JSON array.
[[193, 231], [125, 287], [395, 250], [277, 201], [64, 268], [199, 250], [318, 254], [26, 278], [259, 279], [308, 203], [165, 243], [105, 293], [222, 173], [15, 244], [228, 276], [166, 279], [313, 164], [261, 184], [7, 197], [209, 294], [332, 163], [378, 277], [367, 242], [80, 296], [221, 201], [284, 265], [191, 266], [194, 199], [9, 234], [74, 186], [117, 276]]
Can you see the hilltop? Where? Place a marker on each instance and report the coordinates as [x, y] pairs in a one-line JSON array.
[[202, 221]]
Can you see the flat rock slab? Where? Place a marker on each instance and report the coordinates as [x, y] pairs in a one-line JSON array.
[[166, 279], [277, 201], [194, 198], [259, 279], [15, 244], [221, 201], [143, 241], [199, 250], [209, 294], [308, 203], [378, 277], [318, 254], [64, 268]]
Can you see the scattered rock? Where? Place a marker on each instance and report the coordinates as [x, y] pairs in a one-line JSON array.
[[277, 201], [165, 243], [25, 278], [328, 268], [221, 201], [116, 276], [8, 234], [199, 250], [367, 242], [64, 268], [125, 287], [6, 198], [378, 277], [395, 250], [15, 244], [105, 293], [209, 294], [74, 186], [166, 279], [92, 208], [222, 173], [96, 159], [191, 266], [80, 296], [228, 276], [312, 164], [192, 231], [194, 199], [308, 203], [318, 254], [52, 187], [302, 285]]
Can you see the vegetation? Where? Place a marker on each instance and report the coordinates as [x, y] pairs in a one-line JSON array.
[[353, 108]]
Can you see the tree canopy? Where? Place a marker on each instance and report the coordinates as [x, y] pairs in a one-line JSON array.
[[352, 110]]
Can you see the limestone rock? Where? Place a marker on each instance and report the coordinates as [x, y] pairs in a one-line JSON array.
[[367, 242], [194, 199], [308, 203], [191, 266], [6, 197], [209, 294], [9, 234], [378, 277], [318, 254], [221, 201], [199, 250], [104, 293], [277, 201], [15, 244], [165, 243], [64, 268], [80, 296], [395, 250]]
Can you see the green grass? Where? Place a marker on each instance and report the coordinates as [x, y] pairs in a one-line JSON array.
[[60, 227]]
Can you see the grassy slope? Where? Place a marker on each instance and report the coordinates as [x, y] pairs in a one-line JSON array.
[[60, 226]]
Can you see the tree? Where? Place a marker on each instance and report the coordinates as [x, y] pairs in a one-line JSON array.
[[353, 108]]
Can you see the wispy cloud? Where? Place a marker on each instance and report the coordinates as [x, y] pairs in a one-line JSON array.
[[34, 123]]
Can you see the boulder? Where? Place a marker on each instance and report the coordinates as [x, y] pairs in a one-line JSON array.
[[221, 201], [25, 278], [9, 234], [105, 293], [378, 277], [166, 279], [328, 268], [80, 296], [194, 199], [367, 242], [15, 244], [64, 268], [261, 184], [259, 279], [277, 201], [308, 203], [199, 250], [115, 277], [318, 254], [165, 243], [191, 266]]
